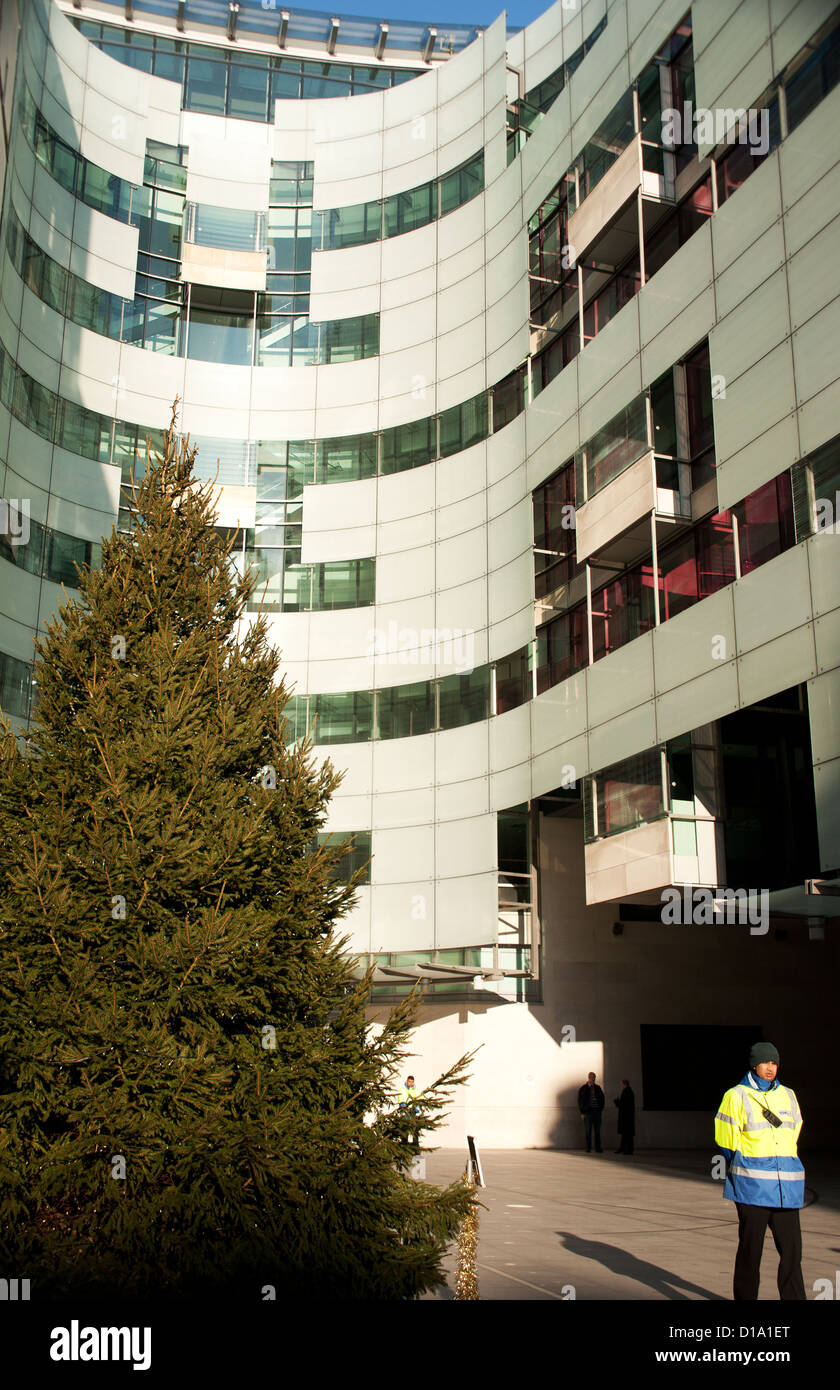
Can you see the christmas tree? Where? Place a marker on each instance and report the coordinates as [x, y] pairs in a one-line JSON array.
[[190, 1098]]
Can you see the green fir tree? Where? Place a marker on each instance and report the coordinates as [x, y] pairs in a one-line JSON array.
[[190, 1098]]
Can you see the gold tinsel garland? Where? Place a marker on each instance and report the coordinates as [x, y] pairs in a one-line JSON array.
[[466, 1278]]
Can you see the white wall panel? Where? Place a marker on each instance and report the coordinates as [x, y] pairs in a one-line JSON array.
[[629, 733], [410, 574], [510, 738], [466, 910], [779, 664], [753, 267], [620, 680], [823, 552], [814, 210], [461, 754], [697, 702], [815, 352], [466, 847]]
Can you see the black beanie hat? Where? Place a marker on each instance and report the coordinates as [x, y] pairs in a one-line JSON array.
[[763, 1052]]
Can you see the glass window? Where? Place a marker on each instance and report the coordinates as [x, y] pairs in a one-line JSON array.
[[285, 84], [64, 554], [554, 531], [34, 405], [622, 610], [663, 406], [347, 459], [620, 442], [344, 718], [248, 94], [221, 326], [817, 77], [163, 321], [234, 229], [297, 584], [406, 211], [83, 432], [464, 425], [462, 184], [344, 584], [678, 581], [405, 710], [268, 592], [513, 681], [509, 398], [464, 699], [352, 226], [325, 80], [696, 565], [27, 556], [562, 647], [408, 446], [765, 523], [169, 65], [698, 384], [206, 86], [275, 340], [623, 796], [15, 685], [358, 853], [348, 340]]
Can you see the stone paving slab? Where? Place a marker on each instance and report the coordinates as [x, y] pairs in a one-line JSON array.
[[651, 1226]]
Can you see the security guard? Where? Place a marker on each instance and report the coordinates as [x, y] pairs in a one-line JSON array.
[[408, 1093], [756, 1129]]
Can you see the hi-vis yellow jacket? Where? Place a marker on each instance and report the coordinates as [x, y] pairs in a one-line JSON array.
[[762, 1167]]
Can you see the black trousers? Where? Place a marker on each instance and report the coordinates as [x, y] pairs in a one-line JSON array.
[[787, 1237]]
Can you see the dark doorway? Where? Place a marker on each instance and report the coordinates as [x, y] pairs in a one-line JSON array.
[[687, 1066], [770, 820]]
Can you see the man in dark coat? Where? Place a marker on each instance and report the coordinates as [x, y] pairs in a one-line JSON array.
[[626, 1103], [590, 1105]]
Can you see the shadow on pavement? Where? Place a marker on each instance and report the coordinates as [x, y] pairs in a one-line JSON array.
[[663, 1281]]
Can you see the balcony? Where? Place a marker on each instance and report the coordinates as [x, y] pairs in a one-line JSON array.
[[653, 822], [614, 525], [638, 864], [605, 227], [224, 246]]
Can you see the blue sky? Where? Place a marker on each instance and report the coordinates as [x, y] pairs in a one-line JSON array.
[[481, 12]]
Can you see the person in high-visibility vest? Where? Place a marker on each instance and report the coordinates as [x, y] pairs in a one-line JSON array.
[[408, 1093], [756, 1129]]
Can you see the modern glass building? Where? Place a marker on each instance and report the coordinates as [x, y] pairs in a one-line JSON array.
[[515, 356]]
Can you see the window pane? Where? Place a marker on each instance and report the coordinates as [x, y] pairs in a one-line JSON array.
[[248, 95], [624, 796], [347, 459], [622, 610], [759, 526], [216, 336], [508, 399], [616, 446], [206, 87], [464, 425], [408, 446], [464, 699], [343, 718], [406, 211], [513, 681], [405, 710]]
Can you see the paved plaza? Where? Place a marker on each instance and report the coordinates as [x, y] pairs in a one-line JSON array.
[[653, 1226]]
